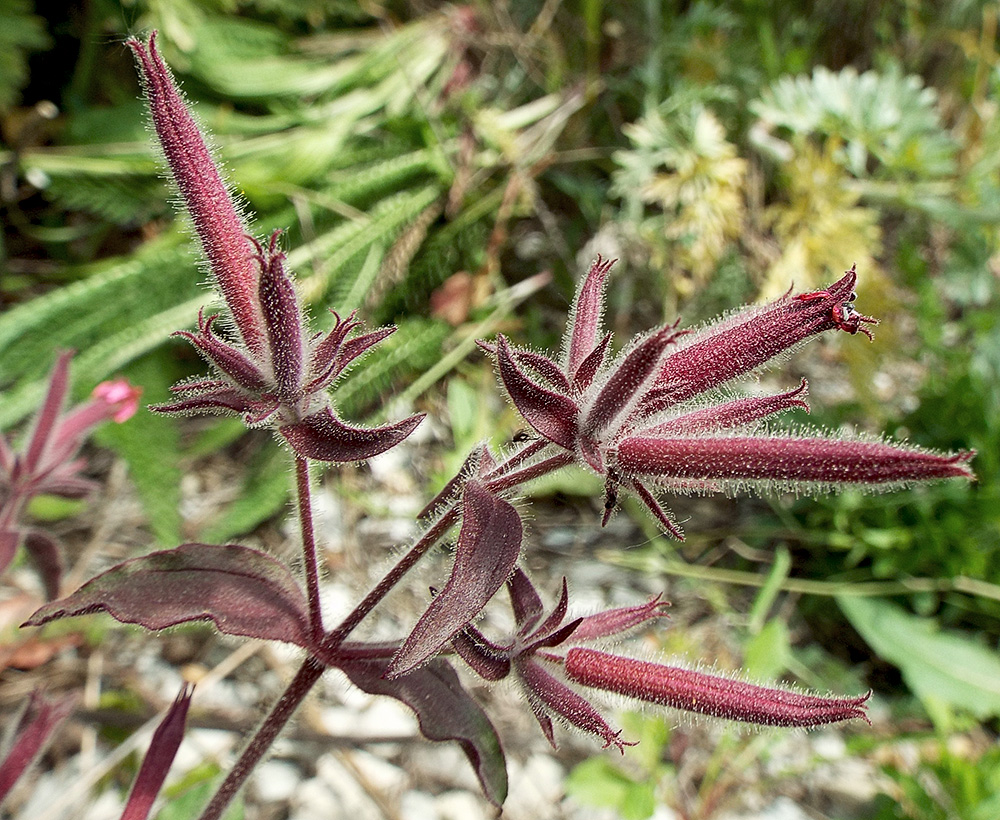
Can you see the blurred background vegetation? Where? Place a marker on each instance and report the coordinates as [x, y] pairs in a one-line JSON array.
[[453, 168]]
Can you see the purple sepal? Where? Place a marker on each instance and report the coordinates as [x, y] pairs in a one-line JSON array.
[[324, 437]]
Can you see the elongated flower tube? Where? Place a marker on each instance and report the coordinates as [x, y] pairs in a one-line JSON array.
[[278, 372], [783, 462], [654, 417], [216, 220], [707, 694]]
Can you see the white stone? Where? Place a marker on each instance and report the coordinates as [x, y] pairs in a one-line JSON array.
[[535, 789], [276, 781]]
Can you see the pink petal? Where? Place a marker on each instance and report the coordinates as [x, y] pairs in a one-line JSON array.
[[121, 395]]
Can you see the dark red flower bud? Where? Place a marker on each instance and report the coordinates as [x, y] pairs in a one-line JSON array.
[[707, 694], [216, 220], [788, 461]]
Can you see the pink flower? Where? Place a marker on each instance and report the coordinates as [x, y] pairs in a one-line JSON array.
[[48, 463], [653, 417]]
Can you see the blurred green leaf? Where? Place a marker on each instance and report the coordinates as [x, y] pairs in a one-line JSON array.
[[937, 665], [20, 32], [766, 654]]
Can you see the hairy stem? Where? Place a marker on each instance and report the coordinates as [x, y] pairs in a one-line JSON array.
[[499, 482], [309, 546], [303, 681], [336, 636], [502, 481]]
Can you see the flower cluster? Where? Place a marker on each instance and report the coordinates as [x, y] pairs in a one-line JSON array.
[[531, 655], [276, 372], [655, 416]]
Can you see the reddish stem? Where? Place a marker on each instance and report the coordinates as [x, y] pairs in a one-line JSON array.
[[508, 481], [336, 636], [309, 547], [303, 681]]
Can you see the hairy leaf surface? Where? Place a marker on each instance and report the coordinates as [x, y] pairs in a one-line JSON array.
[[241, 590]]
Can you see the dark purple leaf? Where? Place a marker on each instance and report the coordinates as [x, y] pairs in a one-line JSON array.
[[662, 517], [489, 661], [352, 348], [324, 437], [325, 351], [556, 616], [585, 318], [445, 711], [616, 621], [550, 413], [488, 545], [549, 695], [39, 721], [231, 361], [629, 381], [155, 765], [734, 414], [241, 590], [282, 321], [211, 399], [544, 367], [588, 367]]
